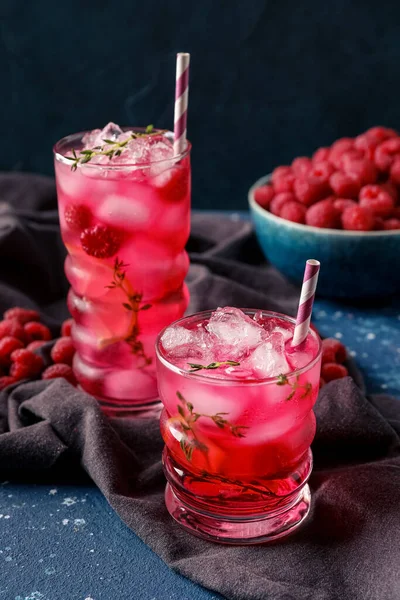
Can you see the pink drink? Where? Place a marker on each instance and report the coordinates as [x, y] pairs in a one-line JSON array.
[[238, 433], [125, 219]]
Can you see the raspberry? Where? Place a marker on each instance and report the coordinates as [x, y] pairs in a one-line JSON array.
[[379, 224], [338, 148], [6, 381], [322, 382], [395, 171], [263, 195], [345, 185], [386, 153], [279, 200], [301, 166], [66, 328], [366, 145], [26, 364], [323, 214], [342, 203], [321, 155], [78, 217], [391, 224], [396, 213], [380, 134], [279, 172], [358, 218], [378, 200], [37, 331], [12, 328], [35, 345], [7, 346], [100, 241], [173, 184], [390, 188], [59, 370], [23, 315], [293, 211], [312, 188], [63, 351], [333, 351], [331, 371], [284, 183], [349, 155], [363, 169]]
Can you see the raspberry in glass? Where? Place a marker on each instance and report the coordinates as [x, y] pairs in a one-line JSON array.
[[100, 241], [78, 217]]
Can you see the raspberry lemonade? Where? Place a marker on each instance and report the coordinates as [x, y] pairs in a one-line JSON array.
[[124, 207], [237, 423]]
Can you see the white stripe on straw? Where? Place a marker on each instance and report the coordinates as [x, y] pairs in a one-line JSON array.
[[181, 102], [306, 301]]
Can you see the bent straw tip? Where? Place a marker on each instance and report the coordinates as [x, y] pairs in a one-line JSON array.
[[183, 54], [313, 262]]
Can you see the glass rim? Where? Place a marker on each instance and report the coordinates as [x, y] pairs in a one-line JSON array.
[[231, 380], [73, 137]]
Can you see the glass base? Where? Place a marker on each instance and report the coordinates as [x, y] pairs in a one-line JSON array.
[[259, 530]]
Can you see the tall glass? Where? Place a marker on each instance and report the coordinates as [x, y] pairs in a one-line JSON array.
[[237, 451], [125, 228]]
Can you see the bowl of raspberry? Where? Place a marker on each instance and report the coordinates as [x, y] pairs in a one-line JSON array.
[[341, 206]]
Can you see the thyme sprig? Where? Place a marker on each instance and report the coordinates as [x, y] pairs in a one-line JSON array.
[[214, 365], [111, 148], [307, 387], [188, 417], [133, 305]]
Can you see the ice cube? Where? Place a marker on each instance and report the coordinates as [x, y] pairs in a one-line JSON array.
[[124, 212], [268, 359], [176, 336], [233, 328], [96, 137]]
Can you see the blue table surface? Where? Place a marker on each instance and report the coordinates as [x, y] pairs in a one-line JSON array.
[[66, 543]]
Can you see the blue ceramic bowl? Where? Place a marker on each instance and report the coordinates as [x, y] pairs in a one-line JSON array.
[[353, 264]]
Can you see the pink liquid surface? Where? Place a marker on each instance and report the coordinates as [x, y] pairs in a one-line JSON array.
[[237, 436], [121, 301]]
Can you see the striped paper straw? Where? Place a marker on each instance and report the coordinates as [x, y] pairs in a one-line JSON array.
[[306, 302], [181, 101]]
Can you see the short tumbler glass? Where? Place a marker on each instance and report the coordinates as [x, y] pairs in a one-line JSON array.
[[237, 453]]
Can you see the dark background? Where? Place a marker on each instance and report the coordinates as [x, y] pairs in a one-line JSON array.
[[269, 79]]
